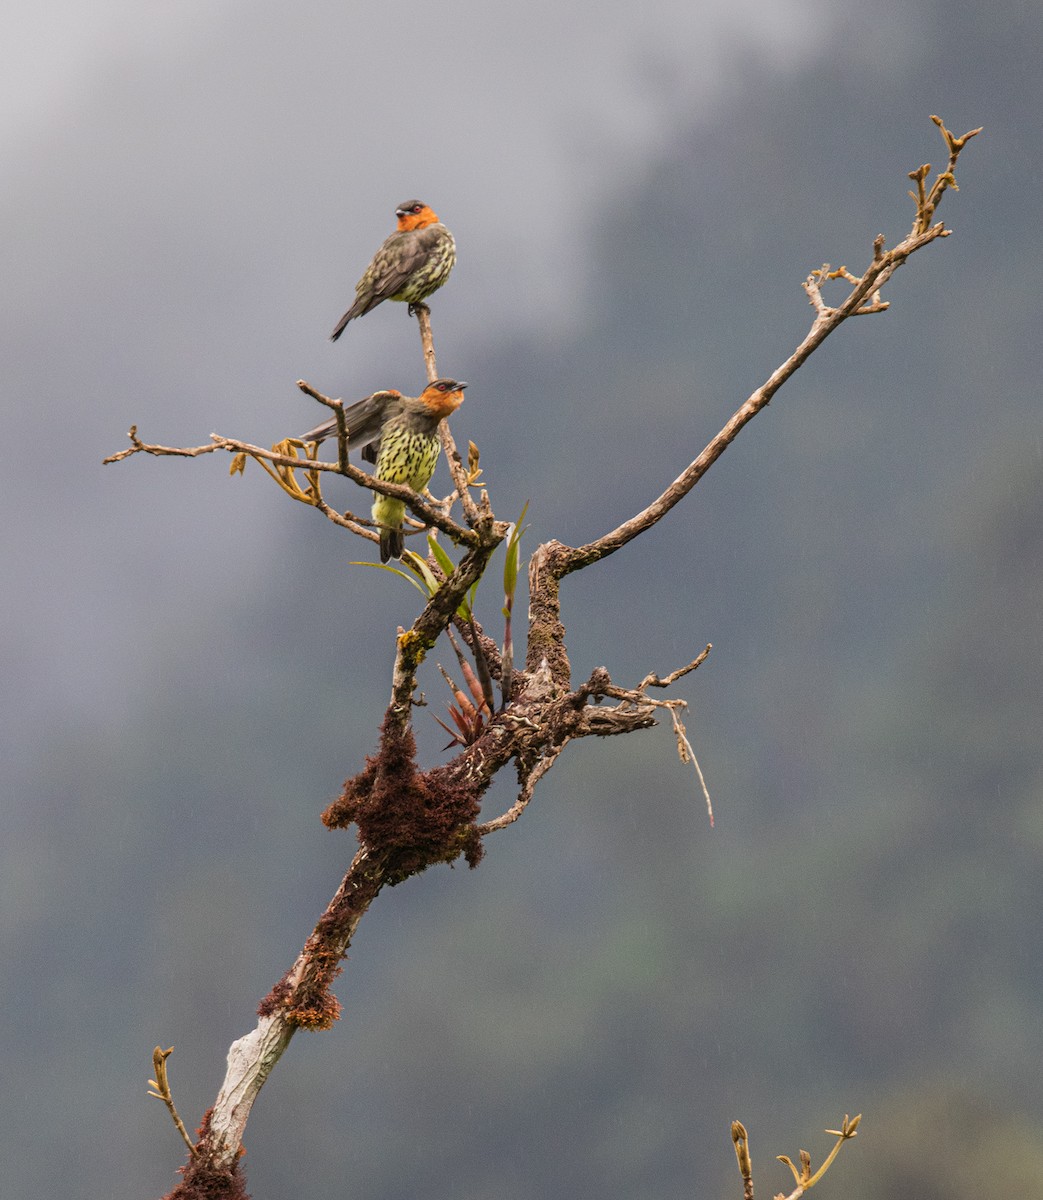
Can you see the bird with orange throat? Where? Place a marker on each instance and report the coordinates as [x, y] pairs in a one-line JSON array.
[[412, 263], [400, 434]]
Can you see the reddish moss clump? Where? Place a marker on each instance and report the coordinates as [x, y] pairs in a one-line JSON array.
[[409, 818], [200, 1180], [276, 999], [313, 1005]]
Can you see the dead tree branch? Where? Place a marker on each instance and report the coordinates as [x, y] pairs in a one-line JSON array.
[[407, 818], [281, 463]]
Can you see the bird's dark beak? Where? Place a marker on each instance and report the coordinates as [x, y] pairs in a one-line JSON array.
[[461, 386]]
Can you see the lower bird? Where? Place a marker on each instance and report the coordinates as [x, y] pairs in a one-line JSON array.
[[400, 435], [413, 262]]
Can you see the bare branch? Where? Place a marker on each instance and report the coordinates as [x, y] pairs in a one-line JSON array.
[[653, 680], [408, 819], [741, 1141], [636, 697], [456, 467], [553, 560], [427, 341], [827, 320], [299, 1000], [342, 426], [472, 514], [284, 458], [137, 446], [525, 795], [348, 520], [160, 1088], [803, 1177]]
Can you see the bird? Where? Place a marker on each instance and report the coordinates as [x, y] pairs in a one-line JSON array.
[[412, 263], [400, 435]]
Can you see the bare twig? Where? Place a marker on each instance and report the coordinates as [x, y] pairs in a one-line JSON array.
[[653, 680], [687, 755], [137, 446], [472, 514], [804, 1179], [286, 457], [427, 341], [637, 696], [348, 520], [827, 320], [741, 1141], [552, 561], [525, 794], [160, 1088], [338, 412], [452, 455], [813, 287]]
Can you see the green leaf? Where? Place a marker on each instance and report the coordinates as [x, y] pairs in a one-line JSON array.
[[510, 566], [448, 566], [417, 564], [394, 571], [440, 555]]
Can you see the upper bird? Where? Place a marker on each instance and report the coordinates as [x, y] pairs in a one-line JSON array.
[[400, 434], [414, 262]]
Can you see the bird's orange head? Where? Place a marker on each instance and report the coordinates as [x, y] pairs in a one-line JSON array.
[[414, 214], [443, 397]]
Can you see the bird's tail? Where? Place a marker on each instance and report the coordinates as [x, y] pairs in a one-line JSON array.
[[358, 309], [342, 324], [392, 544]]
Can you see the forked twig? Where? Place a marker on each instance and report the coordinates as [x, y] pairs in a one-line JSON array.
[[160, 1088]]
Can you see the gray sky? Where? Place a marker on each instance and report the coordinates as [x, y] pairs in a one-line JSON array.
[[190, 192]]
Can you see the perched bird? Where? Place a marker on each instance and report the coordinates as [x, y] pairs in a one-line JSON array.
[[400, 434], [414, 262]]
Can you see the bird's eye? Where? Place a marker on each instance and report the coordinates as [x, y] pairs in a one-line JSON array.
[[416, 208]]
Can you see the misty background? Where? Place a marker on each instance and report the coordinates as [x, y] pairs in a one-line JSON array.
[[191, 666]]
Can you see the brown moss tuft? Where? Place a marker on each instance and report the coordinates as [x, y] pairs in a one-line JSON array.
[[200, 1180], [408, 818], [315, 1006], [311, 1005], [203, 1182], [276, 998]]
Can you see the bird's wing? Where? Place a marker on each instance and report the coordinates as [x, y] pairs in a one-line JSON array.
[[363, 419], [404, 252], [394, 262], [392, 265]]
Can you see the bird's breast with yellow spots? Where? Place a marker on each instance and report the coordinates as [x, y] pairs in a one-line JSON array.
[[407, 456]]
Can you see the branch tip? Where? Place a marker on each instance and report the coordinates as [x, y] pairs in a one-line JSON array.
[[160, 1088]]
